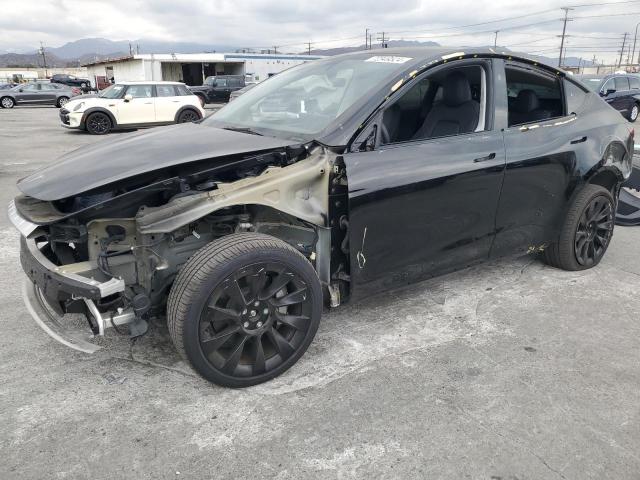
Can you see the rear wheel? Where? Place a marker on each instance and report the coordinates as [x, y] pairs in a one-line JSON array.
[[244, 309], [187, 116], [7, 102], [633, 114], [98, 123], [587, 231], [62, 101]]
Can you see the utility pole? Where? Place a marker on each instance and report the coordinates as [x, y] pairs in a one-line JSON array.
[[275, 49], [309, 48], [635, 38], [366, 39], [44, 59], [564, 31], [382, 39], [495, 39], [624, 41]]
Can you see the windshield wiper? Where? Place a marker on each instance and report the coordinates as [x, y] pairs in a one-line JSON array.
[[243, 130]]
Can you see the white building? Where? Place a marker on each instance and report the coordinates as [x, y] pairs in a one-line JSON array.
[[192, 68]]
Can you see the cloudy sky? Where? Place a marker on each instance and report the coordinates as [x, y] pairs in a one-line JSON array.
[[596, 29]]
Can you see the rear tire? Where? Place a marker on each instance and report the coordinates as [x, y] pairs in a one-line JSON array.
[[7, 102], [586, 233], [62, 101], [188, 116], [98, 123], [244, 309]]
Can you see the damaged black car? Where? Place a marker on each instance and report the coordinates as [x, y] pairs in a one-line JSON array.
[[331, 181]]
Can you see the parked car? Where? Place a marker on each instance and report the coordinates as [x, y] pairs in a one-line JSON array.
[[6, 86], [36, 93], [621, 91], [218, 89], [132, 105], [363, 172], [236, 93], [71, 80]]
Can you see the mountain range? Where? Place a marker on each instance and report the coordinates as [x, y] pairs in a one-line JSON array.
[[78, 52]]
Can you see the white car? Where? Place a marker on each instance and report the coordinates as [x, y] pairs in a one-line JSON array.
[[132, 105]]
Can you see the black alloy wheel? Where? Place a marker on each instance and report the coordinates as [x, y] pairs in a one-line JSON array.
[[244, 309], [586, 232], [98, 123], [594, 231], [255, 320], [188, 116]]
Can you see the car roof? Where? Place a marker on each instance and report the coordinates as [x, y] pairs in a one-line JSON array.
[[149, 82]]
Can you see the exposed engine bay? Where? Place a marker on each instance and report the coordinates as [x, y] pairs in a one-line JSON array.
[[136, 234]]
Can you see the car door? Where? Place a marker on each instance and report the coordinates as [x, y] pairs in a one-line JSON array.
[[49, 93], [543, 140], [221, 90], [28, 94], [167, 103], [615, 92], [140, 109], [418, 207]]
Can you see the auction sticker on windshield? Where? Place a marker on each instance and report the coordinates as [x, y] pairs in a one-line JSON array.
[[388, 59]]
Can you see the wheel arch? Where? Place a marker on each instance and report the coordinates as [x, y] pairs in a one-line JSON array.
[[185, 108], [91, 110]]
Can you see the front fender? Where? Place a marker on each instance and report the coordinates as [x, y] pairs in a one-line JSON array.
[[300, 190], [91, 110]]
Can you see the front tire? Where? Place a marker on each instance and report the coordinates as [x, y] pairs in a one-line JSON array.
[[587, 231], [7, 102], [98, 123], [633, 114], [62, 101], [244, 309]]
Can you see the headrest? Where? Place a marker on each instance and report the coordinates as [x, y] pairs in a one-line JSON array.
[[526, 101], [456, 89]]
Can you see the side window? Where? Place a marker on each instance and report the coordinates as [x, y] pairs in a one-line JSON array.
[[140, 91], [532, 95], [165, 91], [634, 83], [574, 96], [621, 84], [30, 87], [183, 91], [221, 82], [609, 85], [449, 102]]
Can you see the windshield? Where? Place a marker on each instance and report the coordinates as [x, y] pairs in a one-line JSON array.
[[592, 83], [303, 101], [114, 91]]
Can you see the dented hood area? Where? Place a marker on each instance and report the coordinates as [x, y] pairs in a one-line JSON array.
[[125, 156]]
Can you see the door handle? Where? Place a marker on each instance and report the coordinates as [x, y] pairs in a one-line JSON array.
[[491, 156], [148, 103], [578, 140]]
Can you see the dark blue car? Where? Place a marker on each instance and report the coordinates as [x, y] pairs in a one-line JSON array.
[[621, 91]]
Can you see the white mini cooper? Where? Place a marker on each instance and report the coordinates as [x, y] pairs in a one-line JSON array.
[[132, 105]]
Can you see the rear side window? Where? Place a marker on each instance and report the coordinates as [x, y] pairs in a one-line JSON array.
[[183, 91], [140, 91], [165, 91], [621, 84], [574, 96], [634, 83], [533, 95]]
